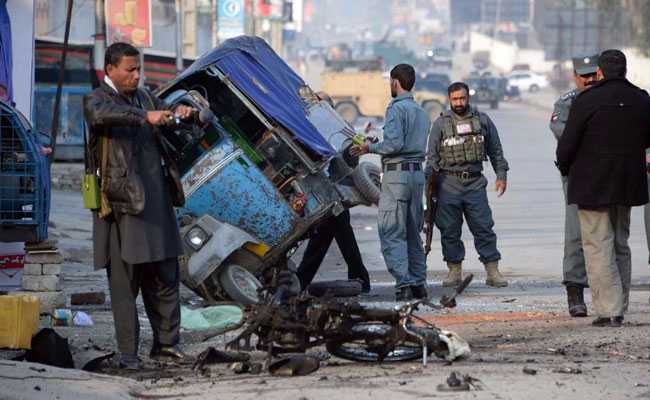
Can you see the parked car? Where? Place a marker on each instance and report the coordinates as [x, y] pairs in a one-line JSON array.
[[441, 77], [484, 90], [528, 81], [260, 169], [440, 56], [520, 67]]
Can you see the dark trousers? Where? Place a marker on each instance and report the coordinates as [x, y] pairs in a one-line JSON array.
[[338, 228], [159, 283], [457, 198]]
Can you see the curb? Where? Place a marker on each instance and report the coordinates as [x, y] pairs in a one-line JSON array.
[[66, 176]]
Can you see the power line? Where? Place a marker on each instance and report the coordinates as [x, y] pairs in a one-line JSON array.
[[75, 12]]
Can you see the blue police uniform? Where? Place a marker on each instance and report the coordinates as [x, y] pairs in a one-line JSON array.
[[458, 146], [401, 216]]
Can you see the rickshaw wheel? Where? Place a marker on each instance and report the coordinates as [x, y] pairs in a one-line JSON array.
[[243, 284], [240, 285], [367, 179]]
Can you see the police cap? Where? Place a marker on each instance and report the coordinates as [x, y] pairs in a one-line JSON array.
[[585, 65]]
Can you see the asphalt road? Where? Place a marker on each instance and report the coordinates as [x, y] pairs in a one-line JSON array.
[[529, 217]]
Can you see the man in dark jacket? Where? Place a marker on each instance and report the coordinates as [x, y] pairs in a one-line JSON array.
[[333, 228], [602, 151], [135, 234]]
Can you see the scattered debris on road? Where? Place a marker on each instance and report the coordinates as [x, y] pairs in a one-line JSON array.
[[294, 366], [568, 370], [457, 382], [529, 371], [87, 298]]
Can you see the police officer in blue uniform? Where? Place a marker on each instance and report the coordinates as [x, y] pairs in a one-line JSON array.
[[461, 139], [573, 262], [401, 214]]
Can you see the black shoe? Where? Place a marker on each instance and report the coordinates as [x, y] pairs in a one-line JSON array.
[[170, 354], [576, 301], [404, 294], [128, 362], [606, 322], [365, 287], [420, 291]]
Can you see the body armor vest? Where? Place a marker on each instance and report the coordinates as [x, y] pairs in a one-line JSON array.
[[462, 141]]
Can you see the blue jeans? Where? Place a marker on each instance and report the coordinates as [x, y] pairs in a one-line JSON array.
[[468, 198], [400, 220]]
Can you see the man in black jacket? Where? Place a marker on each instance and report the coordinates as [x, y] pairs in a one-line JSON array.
[[135, 234], [333, 228], [603, 153]]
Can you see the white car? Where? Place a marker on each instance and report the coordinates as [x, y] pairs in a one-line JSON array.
[[528, 81]]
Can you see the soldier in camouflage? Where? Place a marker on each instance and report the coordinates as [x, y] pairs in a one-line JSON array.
[[573, 263], [461, 139]]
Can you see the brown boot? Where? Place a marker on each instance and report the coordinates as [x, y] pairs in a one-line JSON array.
[[576, 300], [455, 275], [494, 277]]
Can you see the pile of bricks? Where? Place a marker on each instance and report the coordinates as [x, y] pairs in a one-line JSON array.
[[42, 278]]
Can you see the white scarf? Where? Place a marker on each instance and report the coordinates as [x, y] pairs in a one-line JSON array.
[[110, 83]]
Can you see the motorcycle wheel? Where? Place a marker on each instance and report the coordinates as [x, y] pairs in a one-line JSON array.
[[359, 346]]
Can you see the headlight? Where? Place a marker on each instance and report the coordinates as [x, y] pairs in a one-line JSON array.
[[472, 92], [196, 238]]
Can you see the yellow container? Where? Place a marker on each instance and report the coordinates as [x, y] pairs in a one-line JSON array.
[[18, 321]]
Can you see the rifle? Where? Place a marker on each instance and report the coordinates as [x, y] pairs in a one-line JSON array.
[[430, 215]]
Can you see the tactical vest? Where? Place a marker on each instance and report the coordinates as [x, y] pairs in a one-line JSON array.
[[462, 142]]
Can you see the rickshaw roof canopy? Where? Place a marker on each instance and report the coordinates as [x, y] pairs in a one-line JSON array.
[[253, 66]]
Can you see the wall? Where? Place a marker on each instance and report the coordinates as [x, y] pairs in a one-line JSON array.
[[504, 55], [21, 13], [638, 66]]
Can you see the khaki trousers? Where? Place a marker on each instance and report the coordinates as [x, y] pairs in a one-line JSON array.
[[608, 258]]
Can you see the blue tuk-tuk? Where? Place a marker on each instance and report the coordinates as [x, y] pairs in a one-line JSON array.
[[259, 170], [24, 179]]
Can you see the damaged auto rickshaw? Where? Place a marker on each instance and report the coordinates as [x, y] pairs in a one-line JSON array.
[[260, 168]]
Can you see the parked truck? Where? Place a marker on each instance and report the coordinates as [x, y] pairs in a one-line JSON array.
[[359, 93]]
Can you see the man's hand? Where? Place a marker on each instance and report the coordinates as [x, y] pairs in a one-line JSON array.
[[184, 112], [359, 150], [500, 187], [160, 118]]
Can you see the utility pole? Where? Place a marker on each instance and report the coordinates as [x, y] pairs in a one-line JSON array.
[[179, 36], [253, 17], [59, 83], [100, 40], [497, 20]]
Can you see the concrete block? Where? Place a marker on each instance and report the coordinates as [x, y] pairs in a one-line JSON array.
[[43, 283], [33, 269], [88, 298], [51, 269], [44, 258], [48, 300]]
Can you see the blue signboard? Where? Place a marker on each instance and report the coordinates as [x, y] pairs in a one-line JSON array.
[[230, 19]]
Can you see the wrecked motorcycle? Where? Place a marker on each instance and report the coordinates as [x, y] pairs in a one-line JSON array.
[[295, 323]]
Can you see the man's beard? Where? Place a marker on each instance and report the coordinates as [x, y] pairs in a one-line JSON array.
[[460, 110]]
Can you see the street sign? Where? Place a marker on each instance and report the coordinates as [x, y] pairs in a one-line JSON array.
[[128, 21], [230, 19]]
